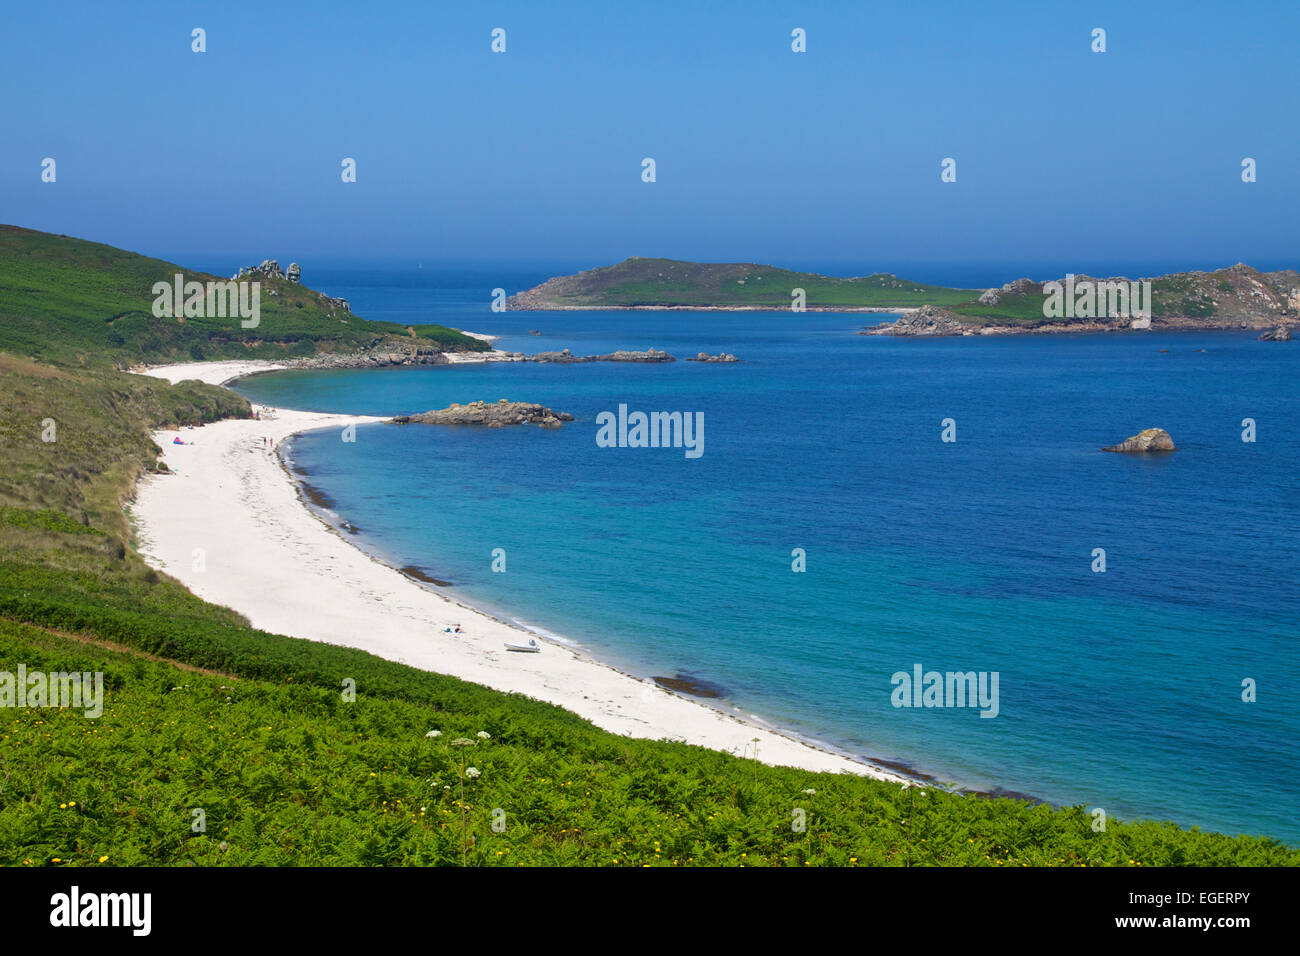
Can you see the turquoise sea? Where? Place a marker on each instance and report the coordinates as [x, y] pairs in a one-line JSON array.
[[1121, 690]]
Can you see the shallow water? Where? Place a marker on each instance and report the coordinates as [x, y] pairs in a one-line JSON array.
[[1120, 689]]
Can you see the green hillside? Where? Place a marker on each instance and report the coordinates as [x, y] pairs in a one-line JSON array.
[[287, 772], [204, 712], [76, 302]]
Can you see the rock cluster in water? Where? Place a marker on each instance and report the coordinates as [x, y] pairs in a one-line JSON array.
[[494, 415], [1280, 334], [927, 320], [720, 357], [1149, 439], [622, 355], [380, 357]]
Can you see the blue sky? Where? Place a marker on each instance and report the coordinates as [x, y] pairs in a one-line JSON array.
[[762, 154]]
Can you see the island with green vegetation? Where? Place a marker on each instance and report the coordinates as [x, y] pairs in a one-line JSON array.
[[1238, 297], [204, 712], [638, 283]]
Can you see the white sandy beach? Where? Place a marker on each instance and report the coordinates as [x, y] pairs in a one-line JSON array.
[[266, 555]]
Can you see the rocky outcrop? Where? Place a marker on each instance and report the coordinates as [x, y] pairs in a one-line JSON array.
[[1236, 297], [1019, 287], [1023, 287], [1149, 439], [565, 357], [720, 357], [269, 269], [494, 415], [1280, 334], [332, 304], [690, 685], [381, 357], [927, 320]]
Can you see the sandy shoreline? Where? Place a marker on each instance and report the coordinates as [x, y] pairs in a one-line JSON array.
[[268, 556]]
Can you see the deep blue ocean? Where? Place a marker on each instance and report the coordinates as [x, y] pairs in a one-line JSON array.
[[1120, 690]]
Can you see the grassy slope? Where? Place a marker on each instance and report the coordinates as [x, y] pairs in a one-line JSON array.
[[70, 301], [288, 772], [670, 282]]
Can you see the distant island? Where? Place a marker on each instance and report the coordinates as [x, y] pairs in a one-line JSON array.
[[638, 283], [1238, 297]]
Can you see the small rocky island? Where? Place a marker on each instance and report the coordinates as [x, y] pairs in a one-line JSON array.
[[565, 357], [927, 320], [494, 415], [1149, 439], [720, 357]]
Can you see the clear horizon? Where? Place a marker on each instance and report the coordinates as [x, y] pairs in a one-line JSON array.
[[762, 154]]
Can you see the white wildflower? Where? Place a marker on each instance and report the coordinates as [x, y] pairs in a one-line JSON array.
[[472, 772], [483, 735], [434, 733]]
